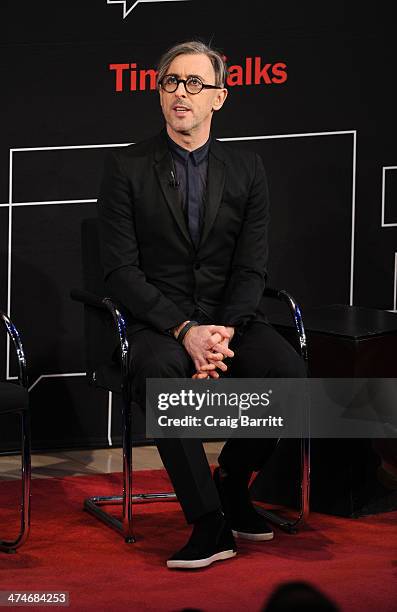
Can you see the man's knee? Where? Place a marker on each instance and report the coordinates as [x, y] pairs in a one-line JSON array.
[[290, 365], [155, 356], [162, 366], [282, 359], [153, 366]]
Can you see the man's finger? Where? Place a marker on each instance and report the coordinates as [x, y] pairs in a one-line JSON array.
[[213, 374], [225, 350], [202, 375], [220, 329], [214, 356], [205, 367], [221, 365], [214, 339]]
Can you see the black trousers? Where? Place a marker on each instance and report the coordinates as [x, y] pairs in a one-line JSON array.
[[260, 352]]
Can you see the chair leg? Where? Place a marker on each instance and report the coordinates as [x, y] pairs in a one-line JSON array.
[[93, 504], [127, 467], [12, 546], [292, 525]]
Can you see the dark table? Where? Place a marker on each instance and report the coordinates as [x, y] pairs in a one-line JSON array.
[[349, 477]]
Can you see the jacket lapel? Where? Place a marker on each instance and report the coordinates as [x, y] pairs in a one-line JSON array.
[[215, 185], [163, 167]]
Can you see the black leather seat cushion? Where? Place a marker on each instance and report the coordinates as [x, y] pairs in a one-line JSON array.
[[13, 398]]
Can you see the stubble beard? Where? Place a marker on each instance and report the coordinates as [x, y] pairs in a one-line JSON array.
[[186, 129]]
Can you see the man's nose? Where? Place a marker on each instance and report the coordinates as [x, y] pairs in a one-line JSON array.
[[180, 90]]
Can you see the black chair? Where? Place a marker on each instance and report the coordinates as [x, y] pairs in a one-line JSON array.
[[14, 399], [102, 320]]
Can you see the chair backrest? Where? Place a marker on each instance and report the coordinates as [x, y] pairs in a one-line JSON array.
[[100, 338], [14, 398], [91, 257], [101, 342]]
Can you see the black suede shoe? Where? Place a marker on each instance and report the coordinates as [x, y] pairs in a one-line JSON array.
[[244, 520], [209, 542]]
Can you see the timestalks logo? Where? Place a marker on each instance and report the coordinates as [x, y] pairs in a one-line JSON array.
[[128, 77]]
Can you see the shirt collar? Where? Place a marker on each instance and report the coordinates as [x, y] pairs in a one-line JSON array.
[[197, 156]]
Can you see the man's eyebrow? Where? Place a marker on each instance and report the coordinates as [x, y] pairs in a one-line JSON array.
[[189, 76]]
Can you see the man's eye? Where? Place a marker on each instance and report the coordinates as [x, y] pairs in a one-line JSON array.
[[194, 81], [170, 80]]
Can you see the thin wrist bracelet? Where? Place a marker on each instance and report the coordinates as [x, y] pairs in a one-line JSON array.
[[185, 329]]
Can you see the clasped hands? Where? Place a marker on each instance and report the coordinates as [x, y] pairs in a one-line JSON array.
[[208, 345]]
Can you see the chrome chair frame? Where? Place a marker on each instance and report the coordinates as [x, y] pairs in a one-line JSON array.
[[94, 504], [292, 525], [125, 525], [7, 545]]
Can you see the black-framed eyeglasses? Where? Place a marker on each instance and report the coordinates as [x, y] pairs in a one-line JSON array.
[[193, 84]]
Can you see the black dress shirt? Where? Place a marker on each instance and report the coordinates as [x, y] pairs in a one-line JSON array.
[[191, 169]]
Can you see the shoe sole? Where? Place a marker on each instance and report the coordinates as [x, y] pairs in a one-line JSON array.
[[197, 563], [254, 537]]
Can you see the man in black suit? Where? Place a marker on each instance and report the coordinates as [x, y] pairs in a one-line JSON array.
[[184, 238]]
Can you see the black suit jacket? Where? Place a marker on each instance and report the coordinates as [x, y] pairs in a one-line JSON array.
[[150, 263]]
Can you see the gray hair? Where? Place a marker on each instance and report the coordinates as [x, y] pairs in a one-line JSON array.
[[193, 47]]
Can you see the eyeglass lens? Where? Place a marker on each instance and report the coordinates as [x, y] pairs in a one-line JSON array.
[[192, 84]]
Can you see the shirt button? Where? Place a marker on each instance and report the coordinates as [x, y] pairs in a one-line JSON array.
[[197, 265]]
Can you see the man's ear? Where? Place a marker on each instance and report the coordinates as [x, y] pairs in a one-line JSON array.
[[220, 99]]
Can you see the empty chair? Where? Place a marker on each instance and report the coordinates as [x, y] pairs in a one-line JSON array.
[[14, 399]]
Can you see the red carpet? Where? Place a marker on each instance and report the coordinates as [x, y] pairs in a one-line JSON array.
[[353, 561]]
